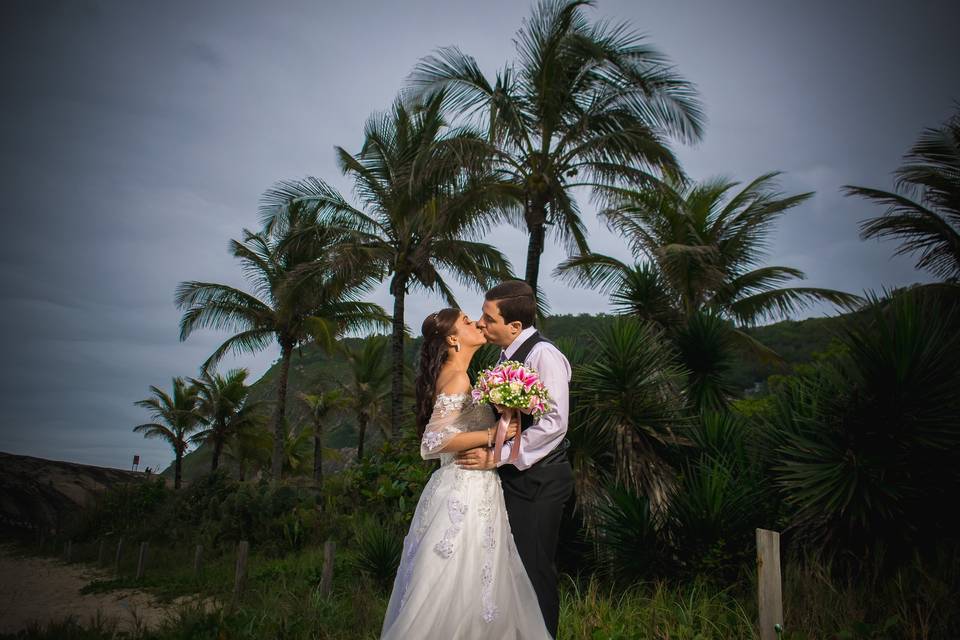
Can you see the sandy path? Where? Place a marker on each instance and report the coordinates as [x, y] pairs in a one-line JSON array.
[[45, 590]]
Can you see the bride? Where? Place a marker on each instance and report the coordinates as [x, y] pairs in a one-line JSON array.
[[460, 575]]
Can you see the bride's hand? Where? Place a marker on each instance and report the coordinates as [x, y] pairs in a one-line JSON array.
[[514, 427]]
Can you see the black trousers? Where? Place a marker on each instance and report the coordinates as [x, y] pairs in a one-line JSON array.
[[535, 499]]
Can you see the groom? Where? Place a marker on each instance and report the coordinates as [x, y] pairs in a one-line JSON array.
[[537, 485]]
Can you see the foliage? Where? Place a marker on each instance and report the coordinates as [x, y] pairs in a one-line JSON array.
[[122, 509], [378, 550], [385, 485], [630, 397], [924, 211], [367, 390], [224, 410], [174, 418], [298, 297], [865, 446], [427, 197], [585, 104], [628, 546]]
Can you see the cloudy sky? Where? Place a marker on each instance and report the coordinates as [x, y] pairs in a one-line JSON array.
[[137, 137]]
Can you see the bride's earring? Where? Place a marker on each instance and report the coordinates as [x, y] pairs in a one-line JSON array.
[[457, 347]]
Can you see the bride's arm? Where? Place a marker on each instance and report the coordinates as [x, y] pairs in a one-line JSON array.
[[438, 438], [474, 439]]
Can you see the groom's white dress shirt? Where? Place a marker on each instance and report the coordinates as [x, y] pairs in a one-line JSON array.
[[544, 434]]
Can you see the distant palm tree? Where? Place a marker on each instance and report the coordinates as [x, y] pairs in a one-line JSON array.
[[296, 448], [425, 195], [175, 417], [696, 250], [586, 104], [224, 407], [292, 305], [924, 212], [251, 444], [368, 386], [319, 406]]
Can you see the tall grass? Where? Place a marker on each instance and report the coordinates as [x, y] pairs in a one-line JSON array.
[[283, 601]]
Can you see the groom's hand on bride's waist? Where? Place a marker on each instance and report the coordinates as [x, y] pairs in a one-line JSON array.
[[476, 459]]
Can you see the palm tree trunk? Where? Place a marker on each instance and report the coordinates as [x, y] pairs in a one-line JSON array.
[[177, 469], [536, 216], [398, 289], [279, 433], [217, 450], [362, 420], [318, 453]]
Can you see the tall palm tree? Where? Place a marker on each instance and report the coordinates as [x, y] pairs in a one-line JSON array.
[[924, 211], [585, 104], [292, 304], [368, 386], [697, 250], [175, 417], [319, 406], [224, 407], [426, 196]]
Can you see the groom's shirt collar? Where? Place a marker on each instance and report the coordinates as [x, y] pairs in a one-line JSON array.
[[519, 340]]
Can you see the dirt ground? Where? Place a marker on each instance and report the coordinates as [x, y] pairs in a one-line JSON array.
[[46, 590]]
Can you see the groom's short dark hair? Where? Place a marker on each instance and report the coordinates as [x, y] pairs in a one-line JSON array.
[[516, 301]]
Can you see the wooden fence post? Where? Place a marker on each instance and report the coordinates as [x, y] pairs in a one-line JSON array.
[[197, 559], [241, 575], [116, 558], [142, 560], [326, 577], [769, 589]]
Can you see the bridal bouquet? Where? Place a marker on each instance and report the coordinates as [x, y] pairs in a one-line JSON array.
[[511, 386]]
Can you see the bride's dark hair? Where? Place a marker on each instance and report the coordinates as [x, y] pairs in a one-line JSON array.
[[433, 353]]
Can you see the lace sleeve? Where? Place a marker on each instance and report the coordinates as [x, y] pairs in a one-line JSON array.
[[443, 423]]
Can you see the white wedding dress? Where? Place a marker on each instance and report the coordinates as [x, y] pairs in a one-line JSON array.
[[460, 576]]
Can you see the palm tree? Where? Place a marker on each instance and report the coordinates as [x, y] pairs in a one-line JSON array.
[[630, 398], [222, 403], [296, 448], [697, 251], [924, 212], [175, 417], [320, 405], [292, 305], [425, 194], [251, 443], [586, 104], [368, 386]]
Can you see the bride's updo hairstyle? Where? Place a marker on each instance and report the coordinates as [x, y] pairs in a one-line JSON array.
[[433, 353]]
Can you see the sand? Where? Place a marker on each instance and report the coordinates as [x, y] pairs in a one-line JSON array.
[[44, 590]]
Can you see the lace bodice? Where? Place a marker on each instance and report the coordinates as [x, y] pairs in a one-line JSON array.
[[453, 413]]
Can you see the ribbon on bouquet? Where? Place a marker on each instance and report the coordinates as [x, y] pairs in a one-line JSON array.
[[502, 426]]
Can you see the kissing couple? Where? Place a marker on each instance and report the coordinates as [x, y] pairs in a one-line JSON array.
[[478, 560]]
